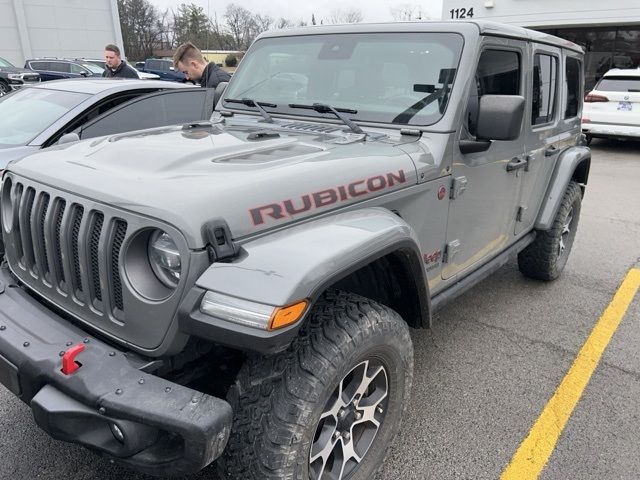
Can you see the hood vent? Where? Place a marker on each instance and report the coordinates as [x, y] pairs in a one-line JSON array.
[[309, 127], [272, 154]]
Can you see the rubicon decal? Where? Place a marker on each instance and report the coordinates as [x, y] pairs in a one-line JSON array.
[[324, 198]]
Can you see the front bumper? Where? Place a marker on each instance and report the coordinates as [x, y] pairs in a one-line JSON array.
[[166, 428]]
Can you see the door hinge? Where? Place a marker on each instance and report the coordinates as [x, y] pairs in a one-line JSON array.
[[458, 186], [521, 212], [450, 251]]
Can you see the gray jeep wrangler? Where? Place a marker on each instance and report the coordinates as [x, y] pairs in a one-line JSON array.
[[242, 289]]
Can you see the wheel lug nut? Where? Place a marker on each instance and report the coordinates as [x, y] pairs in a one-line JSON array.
[[380, 409], [346, 436], [337, 435], [358, 415]]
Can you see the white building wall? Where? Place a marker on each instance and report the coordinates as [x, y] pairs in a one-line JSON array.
[[547, 13], [57, 28]]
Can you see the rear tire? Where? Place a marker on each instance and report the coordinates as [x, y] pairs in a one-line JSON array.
[[302, 413], [545, 258]]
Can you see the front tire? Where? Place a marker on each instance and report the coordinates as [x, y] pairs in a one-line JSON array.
[[5, 89], [545, 258], [330, 405]]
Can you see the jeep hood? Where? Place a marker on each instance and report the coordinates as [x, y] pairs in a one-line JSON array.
[[253, 180]]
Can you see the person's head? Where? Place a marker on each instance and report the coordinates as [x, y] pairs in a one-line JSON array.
[[188, 59], [112, 56]]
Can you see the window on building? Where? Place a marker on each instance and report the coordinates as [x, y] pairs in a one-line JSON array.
[[545, 75], [498, 73], [573, 68]]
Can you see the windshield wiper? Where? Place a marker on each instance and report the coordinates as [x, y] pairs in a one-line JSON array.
[[252, 103], [322, 108]]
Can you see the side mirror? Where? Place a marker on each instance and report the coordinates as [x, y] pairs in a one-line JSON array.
[[68, 138], [500, 117], [172, 69], [84, 74], [219, 92]]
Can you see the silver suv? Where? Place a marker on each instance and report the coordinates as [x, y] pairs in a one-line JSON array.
[[242, 289]]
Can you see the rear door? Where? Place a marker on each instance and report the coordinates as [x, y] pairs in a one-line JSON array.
[[547, 133], [173, 107]]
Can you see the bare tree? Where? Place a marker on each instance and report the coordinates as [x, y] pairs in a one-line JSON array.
[[408, 12], [141, 26], [283, 23], [352, 15]]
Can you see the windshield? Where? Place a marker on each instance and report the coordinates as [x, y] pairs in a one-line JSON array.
[[4, 63], [93, 68], [27, 112], [386, 77]]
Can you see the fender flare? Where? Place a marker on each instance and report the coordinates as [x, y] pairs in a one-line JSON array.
[[303, 261], [573, 163]]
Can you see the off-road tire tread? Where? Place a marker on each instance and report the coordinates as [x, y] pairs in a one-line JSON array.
[[539, 260], [273, 396]]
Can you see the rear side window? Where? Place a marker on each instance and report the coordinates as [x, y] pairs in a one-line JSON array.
[[152, 64], [39, 66], [499, 73], [619, 84], [545, 79], [573, 68]]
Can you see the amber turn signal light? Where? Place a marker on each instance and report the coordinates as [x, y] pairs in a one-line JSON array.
[[284, 316]]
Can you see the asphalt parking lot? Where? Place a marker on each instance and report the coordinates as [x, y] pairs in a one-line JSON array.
[[487, 369]]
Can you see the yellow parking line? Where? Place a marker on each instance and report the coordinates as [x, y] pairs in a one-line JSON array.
[[534, 452]]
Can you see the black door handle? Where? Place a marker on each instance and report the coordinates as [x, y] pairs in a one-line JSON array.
[[550, 151], [517, 163]]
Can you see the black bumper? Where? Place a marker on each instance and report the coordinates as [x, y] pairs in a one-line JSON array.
[[166, 428]]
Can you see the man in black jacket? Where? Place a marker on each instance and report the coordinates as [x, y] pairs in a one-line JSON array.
[[189, 60], [115, 66]]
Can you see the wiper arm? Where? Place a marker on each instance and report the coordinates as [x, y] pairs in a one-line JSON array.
[[252, 103], [322, 108]]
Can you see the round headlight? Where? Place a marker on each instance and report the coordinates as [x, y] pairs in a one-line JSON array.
[[164, 258]]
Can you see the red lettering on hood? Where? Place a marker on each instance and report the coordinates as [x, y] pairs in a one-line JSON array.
[[325, 198]]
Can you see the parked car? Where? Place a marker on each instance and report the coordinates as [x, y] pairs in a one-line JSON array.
[[612, 108], [37, 117], [60, 68], [142, 75], [12, 78], [163, 68], [244, 288]]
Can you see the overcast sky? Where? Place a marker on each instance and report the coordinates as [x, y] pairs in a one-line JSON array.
[[372, 10]]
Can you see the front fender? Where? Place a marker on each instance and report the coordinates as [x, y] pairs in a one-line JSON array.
[[300, 263], [572, 163]]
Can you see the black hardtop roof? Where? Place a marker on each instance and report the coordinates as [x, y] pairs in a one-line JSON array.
[[479, 27]]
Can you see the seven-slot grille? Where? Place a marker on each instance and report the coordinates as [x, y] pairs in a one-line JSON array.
[[71, 248]]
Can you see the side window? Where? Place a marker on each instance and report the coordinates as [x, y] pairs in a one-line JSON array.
[[149, 112], [545, 80], [499, 73], [44, 66], [61, 67], [75, 68], [573, 68], [151, 64]]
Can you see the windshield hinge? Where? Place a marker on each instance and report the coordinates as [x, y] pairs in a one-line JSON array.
[[218, 240], [411, 132]]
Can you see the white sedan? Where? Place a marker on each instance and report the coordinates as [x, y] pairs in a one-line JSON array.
[[612, 108]]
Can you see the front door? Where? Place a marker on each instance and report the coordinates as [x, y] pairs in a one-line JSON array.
[[482, 217]]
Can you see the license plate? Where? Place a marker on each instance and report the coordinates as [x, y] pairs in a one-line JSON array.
[[626, 106], [9, 375]]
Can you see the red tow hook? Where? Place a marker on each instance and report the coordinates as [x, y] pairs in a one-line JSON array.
[[69, 364]]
